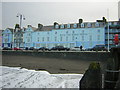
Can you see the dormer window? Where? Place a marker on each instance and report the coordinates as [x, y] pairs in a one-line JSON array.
[[68, 25], [75, 25], [62, 26], [110, 23], [89, 25], [115, 23], [82, 25], [97, 24], [57, 26]]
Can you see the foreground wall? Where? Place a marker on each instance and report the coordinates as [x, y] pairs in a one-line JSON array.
[[97, 56]]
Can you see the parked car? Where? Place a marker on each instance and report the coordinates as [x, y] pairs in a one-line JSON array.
[[43, 48], [98, 48], [6, 48], [26, 48], [75, 49], [60, 48], [15, 48], [31, 48]]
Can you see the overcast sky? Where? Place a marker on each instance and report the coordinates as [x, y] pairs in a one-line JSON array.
[[47, 13]]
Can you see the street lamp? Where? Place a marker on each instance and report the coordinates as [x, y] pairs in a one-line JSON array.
[[22, 17], [108, 28]]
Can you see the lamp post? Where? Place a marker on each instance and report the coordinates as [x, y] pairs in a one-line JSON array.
[[13, 40], [22, 17], [108, 28]]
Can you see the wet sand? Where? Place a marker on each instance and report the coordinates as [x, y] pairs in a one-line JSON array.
[[48, 64]]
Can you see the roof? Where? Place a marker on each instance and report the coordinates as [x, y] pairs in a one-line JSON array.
[[11, 29], [45, 28]]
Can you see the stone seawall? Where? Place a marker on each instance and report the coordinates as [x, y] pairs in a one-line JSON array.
[[97, 56]]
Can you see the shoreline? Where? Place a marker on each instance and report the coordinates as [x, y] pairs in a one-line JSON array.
[[52, 65]]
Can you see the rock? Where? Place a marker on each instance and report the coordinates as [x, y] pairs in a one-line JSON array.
[[92, 77]]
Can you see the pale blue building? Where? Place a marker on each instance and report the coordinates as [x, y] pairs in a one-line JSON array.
[[7, 38], [28, 36], [69, 35]]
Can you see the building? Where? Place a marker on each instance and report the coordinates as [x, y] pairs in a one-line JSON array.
[[70, 35], [86, 34], [28, 36], [18, 38], [43, 36], [114, 28], [119, 10], [7, 38], [0, 39]]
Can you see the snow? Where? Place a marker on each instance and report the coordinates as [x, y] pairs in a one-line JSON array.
[[15, 77]]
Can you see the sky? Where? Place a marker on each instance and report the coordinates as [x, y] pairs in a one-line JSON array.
[[47, 12]]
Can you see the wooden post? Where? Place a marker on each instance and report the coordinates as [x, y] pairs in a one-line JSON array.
[[112, 74]]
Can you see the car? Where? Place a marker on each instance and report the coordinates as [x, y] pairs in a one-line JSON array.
[[75, 49], [26, 48], [59, 48], [98, 48], [31, 48], [6, 48], [15, 48], [43, 48]]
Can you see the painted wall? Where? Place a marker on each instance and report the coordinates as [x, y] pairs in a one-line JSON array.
[[28, 37], [87, 37], [7, 38], [0, 39]]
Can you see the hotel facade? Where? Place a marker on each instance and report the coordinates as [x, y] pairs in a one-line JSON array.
[[86, 34]]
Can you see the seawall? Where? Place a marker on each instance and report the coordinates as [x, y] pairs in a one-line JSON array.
[[97, 56]]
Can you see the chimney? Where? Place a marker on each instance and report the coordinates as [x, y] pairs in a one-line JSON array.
[[40, 26], [29, 26], [80, 21]]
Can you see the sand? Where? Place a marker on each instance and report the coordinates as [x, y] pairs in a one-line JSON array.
[[54, 66]]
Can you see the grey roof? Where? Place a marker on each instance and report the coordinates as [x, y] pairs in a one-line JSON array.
[[45, 28], [11, 29]]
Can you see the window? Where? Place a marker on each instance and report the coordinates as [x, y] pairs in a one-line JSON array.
[[82, 31], [43, 39], [55, 32], [110, 23], [89, 25], [66, 38], [66, 32], [73, 32], [82, 25], [97, 24], [98, 37], [75, 25], [47, 38], [82, 38], [115, 23], [28, 34], [57, 26], [55, 38], [62, 26], [61, 38], [98, 30], [68, 25], [72, 38], [90, 38], [28, 40], [38, 39]]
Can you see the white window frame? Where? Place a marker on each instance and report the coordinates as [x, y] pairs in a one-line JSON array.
[[82, 25]]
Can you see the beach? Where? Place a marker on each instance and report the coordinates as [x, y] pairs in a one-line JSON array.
[[52, 65]]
